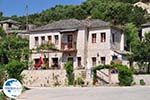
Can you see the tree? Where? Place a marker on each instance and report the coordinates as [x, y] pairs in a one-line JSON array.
[[141, 53], [14, 47], [128, 1], [14, 52], [131, 33], [118, 13], [132, 39], [2, 32], [69, 70], [14, 69]]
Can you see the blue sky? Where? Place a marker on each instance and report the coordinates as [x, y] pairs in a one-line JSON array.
[[17, 7]]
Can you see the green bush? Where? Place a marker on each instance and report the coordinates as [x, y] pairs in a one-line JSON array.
[[142, 82], [79, 81], [14, 69], [69, 70], [125, 75]]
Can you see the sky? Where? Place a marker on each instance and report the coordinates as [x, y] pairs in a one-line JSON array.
[[17, 7]]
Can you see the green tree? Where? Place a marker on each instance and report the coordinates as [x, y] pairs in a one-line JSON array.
[[118, 13], [14, 69], [141, 52], [2, 32], [69, 70], [128, 1], [132, 39], [131, 33], [14, 47]]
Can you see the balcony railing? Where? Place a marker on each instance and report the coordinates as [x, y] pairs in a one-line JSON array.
[[68, 46]]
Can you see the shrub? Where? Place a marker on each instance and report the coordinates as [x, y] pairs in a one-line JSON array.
[[69, 70], [14, 69], [79, 81], [142, 82], [125, 75]]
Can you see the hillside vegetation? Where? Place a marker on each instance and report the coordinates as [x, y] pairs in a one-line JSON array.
[[117, 12]]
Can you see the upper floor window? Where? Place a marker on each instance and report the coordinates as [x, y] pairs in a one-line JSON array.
[[103, 37], [103, 60], [42, 39], [9, 25], [93, 61], [36, 41], [94, 38], [113, 37], [70, 38], [49, 39], [56, 39]]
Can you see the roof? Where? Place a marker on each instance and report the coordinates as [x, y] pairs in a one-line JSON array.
[[72, 24], [95, 23], [9, 21], [146, 24]]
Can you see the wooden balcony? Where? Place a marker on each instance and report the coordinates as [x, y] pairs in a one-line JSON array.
[[68, 47]]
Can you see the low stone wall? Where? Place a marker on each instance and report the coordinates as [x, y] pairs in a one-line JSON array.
[[146, 79], [48, 78], [44, 78]]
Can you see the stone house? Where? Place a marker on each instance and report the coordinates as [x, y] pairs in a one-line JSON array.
[[86, 43], [9, 26]]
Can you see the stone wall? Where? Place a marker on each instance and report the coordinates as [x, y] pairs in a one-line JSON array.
[[146, 79], [44, 78], [48, 78]]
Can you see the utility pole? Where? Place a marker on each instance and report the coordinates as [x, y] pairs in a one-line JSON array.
[[27, 27]]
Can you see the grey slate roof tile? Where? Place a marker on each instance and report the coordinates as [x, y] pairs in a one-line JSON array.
[[73, 23]]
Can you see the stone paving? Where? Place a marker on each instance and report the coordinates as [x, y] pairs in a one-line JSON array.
[[87, 93]]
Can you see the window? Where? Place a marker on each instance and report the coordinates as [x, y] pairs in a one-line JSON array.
[[49, 39], [36, 41], [93, 61], [79, 61], [114, 57], [103, 37], [103, 60], [55, 64], [93, 38], [113, 37], [56, 39], [9, 25], [42, 40], [70, 38]]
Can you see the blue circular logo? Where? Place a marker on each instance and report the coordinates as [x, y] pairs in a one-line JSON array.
[[12, 88]]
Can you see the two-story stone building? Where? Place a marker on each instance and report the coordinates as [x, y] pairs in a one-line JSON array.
[[86, 43]]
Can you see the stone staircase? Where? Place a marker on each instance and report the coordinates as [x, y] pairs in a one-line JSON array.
[[105, 78], [102, 77]]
